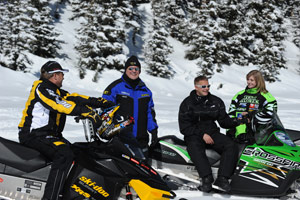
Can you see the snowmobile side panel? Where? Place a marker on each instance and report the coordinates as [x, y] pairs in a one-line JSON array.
[[21, 188], [270, 170], [86, 184]]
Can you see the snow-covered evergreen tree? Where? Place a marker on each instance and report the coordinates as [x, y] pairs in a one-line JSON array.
[[265, 22], [13, 41], [156, 51], [235, 32], [101, 38], [157, 48], [42, 36], [202, 30]]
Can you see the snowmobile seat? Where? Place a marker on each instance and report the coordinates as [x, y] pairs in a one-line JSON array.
[[212, 155], [20, 157], [172, 139]]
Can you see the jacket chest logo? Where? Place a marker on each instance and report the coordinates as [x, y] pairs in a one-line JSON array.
[[125, 93]]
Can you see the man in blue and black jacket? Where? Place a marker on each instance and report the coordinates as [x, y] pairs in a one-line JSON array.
[[135, 99]]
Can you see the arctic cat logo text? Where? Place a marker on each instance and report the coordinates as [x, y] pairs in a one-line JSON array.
[[249, 99], [93, 185], [80, 191], [165, 152], [271, 157]]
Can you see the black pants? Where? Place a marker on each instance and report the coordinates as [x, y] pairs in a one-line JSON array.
[[222, 144], [59, 152]]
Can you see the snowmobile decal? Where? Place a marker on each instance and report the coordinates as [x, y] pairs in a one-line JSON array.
[[78, 190], [270, 159], [260, 179], [33, 185], [93, 185], [182, 153]]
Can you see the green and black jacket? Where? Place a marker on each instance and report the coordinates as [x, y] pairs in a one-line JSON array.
[[249, 100]]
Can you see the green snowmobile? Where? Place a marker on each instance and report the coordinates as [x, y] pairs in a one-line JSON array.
[[268, 168]]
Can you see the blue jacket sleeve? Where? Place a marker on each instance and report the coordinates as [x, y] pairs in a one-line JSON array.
[[111, 95]]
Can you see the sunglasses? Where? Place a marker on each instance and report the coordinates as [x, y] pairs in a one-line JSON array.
[[203, 86], [134, 68]]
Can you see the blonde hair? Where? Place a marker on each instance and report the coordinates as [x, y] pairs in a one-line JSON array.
[[259, 79]]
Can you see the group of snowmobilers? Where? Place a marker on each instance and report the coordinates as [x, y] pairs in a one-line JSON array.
[[45, 113]]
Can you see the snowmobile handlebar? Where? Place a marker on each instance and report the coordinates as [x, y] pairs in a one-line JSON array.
[[112, 124]]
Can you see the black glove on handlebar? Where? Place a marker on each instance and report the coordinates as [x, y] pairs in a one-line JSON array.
[[93, 117]]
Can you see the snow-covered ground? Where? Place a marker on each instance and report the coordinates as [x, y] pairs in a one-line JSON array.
[[168, 94]]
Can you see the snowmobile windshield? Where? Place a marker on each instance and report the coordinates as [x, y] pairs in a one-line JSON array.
[[266, 128]]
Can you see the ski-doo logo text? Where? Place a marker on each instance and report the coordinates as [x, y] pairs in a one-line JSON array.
[[271, 157], [80, 191], [93, 185]]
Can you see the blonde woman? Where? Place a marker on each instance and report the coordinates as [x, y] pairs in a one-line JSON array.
[[254, 98]]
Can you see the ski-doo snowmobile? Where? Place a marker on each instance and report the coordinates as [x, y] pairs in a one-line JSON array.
[[102, 169], [268, 168]]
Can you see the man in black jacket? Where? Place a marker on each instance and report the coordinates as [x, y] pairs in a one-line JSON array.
[[197, 115]]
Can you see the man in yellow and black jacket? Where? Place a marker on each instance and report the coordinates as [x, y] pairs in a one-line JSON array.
[[44, 119]]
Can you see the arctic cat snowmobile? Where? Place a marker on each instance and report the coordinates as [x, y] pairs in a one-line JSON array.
[[101, 169], [268, 168]]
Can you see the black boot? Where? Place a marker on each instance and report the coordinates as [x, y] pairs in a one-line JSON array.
[[206, 183], [223, 184]]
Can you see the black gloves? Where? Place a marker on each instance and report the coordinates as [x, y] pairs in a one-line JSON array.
[[154, 135], [100, 102], [93, 116]]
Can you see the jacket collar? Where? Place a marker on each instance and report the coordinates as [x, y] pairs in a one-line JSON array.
[[199, 99], [128, 83], [49, 83], [251, 90]]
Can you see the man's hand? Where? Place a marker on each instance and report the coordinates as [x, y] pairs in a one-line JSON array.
[[93, 117], [100, 103], [103, 103], [207, 139]]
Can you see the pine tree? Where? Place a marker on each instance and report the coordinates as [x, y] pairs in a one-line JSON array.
[[157, 48], [203, 27], [265, 23], [156, 51], [42, 40], [13, 41], [100, 39]]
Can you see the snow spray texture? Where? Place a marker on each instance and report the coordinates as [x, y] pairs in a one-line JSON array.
[[89, 188]]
